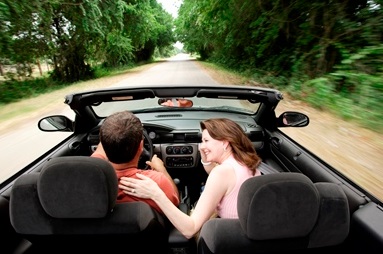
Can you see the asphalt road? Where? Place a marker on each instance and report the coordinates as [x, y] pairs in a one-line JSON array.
[[21, 141]]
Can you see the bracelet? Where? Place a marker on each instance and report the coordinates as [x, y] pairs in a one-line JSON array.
[[205, 163]]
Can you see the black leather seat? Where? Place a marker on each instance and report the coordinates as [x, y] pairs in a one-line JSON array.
[[70, 206], [278, 213]]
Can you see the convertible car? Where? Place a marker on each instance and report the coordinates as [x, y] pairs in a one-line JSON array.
[[64, 202]]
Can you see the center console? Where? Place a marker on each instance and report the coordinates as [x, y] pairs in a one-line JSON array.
[[179, 155]]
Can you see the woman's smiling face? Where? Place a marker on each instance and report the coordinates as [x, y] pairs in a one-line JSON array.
[[211, 147]]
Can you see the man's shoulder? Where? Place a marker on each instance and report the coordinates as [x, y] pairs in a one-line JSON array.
[[98, 155], [151, 173], [156, 176]]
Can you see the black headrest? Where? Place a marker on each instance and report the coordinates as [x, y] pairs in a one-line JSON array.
[[77, 187], [276, 206]]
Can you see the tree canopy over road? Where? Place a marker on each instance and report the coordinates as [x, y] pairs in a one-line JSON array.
[[283, 37], [328, 53], [74, 35]]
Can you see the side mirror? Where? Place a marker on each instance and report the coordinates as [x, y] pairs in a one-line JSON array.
[[55, 123], [292, 119]]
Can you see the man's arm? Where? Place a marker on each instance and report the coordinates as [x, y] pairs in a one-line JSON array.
[[158, 165]]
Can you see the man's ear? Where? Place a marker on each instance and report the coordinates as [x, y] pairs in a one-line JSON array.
[[140, 148]]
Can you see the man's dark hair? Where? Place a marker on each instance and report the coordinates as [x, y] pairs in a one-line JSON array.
[[120, 136]]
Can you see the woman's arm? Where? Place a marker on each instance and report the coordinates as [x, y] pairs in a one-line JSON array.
[[144, 187]]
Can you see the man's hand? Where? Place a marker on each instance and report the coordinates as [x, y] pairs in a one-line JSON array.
[[157, 164]]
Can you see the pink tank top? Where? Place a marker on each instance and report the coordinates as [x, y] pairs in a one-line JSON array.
[[227, 208]]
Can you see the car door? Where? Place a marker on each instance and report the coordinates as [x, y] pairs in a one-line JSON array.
[[366, 233]]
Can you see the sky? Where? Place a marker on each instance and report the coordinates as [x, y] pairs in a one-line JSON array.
[[171, 6]]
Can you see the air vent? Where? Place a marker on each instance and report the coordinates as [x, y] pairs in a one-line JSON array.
[[170, 115]]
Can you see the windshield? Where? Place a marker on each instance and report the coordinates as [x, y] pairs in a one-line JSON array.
[[154, 104]]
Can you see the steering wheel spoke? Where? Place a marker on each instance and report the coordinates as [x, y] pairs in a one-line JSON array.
[[147, 152]]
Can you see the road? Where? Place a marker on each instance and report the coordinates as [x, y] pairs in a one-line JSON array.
[[354, 151], [21, 141]]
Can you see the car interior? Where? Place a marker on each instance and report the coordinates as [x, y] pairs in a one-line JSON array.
[[299, 204]]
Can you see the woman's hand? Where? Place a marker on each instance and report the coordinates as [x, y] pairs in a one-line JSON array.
[[144, 187]]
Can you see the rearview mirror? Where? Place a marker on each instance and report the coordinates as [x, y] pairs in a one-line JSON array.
[[55, 123], [292, 119], [175, 102]]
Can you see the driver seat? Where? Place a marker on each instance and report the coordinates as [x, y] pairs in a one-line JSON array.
[[71, 205]]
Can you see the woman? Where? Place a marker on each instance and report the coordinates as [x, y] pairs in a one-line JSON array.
[[228, 157]]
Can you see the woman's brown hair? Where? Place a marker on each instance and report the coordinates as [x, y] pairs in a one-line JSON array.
[[224, 129]]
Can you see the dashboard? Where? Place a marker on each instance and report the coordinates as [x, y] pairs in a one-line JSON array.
[[176, 136]]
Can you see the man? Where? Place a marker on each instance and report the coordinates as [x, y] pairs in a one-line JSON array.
[[121, 143]]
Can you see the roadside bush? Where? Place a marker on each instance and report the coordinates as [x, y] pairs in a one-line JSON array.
[[15, 90], [12, 90]]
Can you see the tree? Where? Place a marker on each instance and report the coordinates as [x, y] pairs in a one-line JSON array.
[[282, 37], [75, 34]]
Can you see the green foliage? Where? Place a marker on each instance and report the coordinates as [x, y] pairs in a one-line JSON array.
[[4, 36], [362, 105], [278, 37], [329, 53], [148, 26], [193, 27], [119, 50], [77, 34], [12, 90], [165, 52], [354, 91], [100, 71], [318, 92]]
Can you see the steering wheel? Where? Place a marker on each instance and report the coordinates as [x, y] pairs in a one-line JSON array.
[[147, 153]]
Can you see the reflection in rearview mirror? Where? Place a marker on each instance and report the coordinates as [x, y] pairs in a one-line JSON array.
[[175, 102]]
